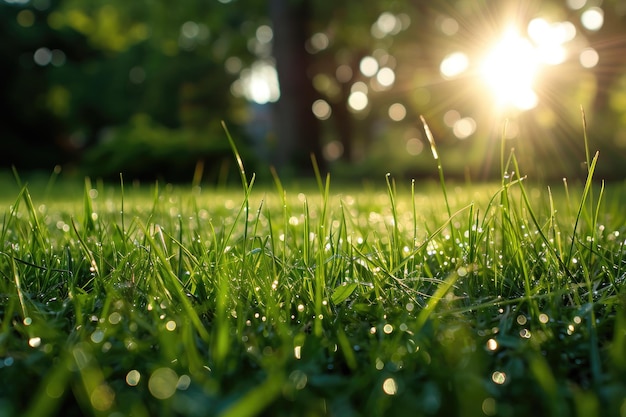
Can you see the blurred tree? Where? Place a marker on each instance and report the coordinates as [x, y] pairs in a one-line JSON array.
[[297, 128], [353, 79], [161, 63], [32, 135]]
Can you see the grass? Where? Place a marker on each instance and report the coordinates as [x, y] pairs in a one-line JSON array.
[[412, 299]]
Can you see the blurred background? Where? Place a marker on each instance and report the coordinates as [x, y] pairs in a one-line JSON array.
[[141, 87]]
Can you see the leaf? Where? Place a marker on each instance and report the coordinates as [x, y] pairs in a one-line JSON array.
[[342, 292]]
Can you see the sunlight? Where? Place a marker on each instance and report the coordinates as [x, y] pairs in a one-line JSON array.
[[509, 70], [512, 67]]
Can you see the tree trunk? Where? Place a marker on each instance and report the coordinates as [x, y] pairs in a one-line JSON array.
[[297, 129]]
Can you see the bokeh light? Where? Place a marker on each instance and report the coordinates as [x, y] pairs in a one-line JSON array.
[[358, 100], [449, 26], [162, 383], [397, 112], [258, 83], [454, 64], [592, 18], [589, 58], [333, 150], [463, 128], [386, 77], [368, 66], [321, 109], [390, 386]]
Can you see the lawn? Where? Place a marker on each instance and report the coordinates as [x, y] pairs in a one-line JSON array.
[[393, 298]]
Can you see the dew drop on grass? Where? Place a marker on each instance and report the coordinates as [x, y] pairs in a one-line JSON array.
[[133, 377], [27, 321], [299, 379], [162, 383], [489, 406], [543, 318], [498, 377], [492, 344], [521, 320], [297, 352], [388, 328], [34, 342], [102, 397], [170, 325], [183, 382], [115, 317], [525, 334], [390, 387], [130, 344], [97, 336]]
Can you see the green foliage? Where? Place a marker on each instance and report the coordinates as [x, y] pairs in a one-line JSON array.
[[378, 302], [143, 149]]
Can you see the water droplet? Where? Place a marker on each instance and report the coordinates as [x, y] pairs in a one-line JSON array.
[[102, 397], [183, 382], [489, 406], [521, 320], [97, 336], [27, 321], [525, 333], [390, 387], [115, 318], [162, 383], [297, 351], [170, 325], [543, 318], [492, 344], [299, 379], [34, 342], [133, 377], [388, 328], [498, 377]]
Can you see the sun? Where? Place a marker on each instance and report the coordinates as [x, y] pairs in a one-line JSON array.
[[510, 70], [513, 65]]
